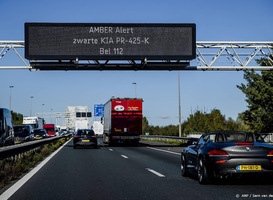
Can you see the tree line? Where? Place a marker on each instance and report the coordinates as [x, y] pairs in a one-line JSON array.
[[198, 122], [257, 118]]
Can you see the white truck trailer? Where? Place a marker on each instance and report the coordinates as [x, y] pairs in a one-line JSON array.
[[35, 122], [98, 128]]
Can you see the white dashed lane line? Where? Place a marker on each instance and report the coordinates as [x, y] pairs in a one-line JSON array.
[[164, 151], [155, 172], [124, 156], [150, 170]]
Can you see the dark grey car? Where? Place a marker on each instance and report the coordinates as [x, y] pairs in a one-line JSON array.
[[226, 153], [85, 137]]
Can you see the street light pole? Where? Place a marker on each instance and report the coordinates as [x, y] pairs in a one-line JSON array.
[[43, 110], [31, 105], [135, 90], [51, 116], [180, 134], [10, 96]]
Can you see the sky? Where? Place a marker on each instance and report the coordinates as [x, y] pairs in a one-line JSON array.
[[233, 20]]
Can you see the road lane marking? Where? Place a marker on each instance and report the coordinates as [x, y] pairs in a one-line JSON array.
[[9, 192], [155, 172], [124, 156], [164, 151], [111, 150]]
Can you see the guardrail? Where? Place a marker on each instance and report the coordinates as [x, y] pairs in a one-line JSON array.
[[18, 149], [189, 140]]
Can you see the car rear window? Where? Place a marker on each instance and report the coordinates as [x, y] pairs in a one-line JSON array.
[[21, 129], [235, 137], [85, 132], [39, 131]]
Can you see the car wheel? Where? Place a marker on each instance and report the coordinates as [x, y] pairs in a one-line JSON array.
[[184, 170], [202, 172], [74, 146]]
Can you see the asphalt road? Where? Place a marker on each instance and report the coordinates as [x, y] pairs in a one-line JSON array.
[[123, 172]]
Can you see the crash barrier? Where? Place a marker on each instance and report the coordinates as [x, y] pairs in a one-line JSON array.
[[15, 150], [188, 140]]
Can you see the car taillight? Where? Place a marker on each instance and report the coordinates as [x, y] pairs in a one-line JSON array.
[[76, 136], [244, 143], [94, 136], [221, 161], [216, 152], [270, 153], [114, 137]]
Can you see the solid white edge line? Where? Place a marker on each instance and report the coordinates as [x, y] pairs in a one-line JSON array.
[[164, 151], [9, 192], [155, 172], [124, 156]]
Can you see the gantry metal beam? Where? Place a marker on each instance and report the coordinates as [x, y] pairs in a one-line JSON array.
[[239, 55], [210, 55]]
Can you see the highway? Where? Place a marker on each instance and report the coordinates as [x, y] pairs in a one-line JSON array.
[[124, 172]]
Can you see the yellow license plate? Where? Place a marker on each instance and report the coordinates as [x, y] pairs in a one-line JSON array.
[[249, 168], [85, 140], [38, 138], [126, 138]]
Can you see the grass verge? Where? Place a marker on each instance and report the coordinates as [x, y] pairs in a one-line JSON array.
[[13, 168], [167, 141]]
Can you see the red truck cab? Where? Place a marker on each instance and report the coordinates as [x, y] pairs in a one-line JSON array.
[[50, 129]]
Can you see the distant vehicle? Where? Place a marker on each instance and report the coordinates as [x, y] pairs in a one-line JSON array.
[[23, 133], [85, 137], [50, 129], [35, 122], [226, 153], [191, 141], [122, 120], [98, 128], [6, 127], [63, 130], [39, 134]]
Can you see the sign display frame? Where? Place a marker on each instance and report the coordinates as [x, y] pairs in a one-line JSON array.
[[110, 41]]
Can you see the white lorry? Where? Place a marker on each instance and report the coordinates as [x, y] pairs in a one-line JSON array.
[[98, 128], [35, 122]]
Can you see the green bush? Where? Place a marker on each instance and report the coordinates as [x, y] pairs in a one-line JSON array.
[[12, 168]]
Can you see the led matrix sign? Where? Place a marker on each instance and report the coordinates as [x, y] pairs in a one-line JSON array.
[[60, 41]]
